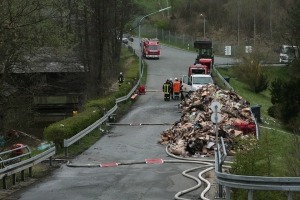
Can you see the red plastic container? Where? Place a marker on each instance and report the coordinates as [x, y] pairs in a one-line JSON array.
[[18, 151], [245, 127]]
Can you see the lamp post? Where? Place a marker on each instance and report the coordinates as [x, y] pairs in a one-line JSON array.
[[140, 59], [203, 25]]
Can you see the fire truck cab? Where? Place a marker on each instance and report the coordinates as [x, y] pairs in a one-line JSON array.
[[150, 48], [204, 67]]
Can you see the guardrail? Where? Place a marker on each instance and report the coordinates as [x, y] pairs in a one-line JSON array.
[[97, 124], [14, 155], [251, 183], [22, 165], [222, 78]]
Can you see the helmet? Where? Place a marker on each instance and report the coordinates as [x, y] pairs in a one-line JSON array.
[[170, 79], [176, 79], [120, 72]]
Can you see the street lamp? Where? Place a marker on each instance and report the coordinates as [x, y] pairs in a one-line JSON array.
[[140, 59], [202, 15]]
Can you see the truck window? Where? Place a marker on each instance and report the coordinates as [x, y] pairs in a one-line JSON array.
[[202, 80], [153, 47]]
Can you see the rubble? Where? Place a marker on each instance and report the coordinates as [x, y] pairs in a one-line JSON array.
[[194, 134]]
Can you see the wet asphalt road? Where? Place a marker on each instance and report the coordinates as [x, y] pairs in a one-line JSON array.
[[129, 144]]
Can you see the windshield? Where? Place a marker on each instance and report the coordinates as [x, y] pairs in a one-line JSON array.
[[287, 50], [202, 80], [153, 47], [205, 52]]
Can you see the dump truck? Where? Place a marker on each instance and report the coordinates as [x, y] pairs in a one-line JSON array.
[[204, 50]]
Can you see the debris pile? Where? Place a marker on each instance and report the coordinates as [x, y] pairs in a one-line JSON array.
[[195, 134]]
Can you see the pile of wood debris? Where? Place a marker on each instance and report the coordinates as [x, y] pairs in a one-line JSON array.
[[195, 133]]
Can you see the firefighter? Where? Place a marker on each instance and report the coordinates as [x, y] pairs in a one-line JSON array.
[[181, 90], [120, 79], [176, 89], [166, 90], [171, 88]]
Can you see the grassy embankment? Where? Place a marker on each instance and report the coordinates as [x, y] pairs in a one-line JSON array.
[[268, 125]]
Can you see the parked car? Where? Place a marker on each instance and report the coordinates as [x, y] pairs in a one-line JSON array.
[[125, 40]]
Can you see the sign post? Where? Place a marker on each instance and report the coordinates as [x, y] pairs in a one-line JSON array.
[[216, 118]]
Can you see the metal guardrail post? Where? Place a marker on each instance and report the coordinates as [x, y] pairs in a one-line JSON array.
[[250, 194], [66, 151], [30, 171], [290, 197], [50, 161], [23, 175], [4, 182], [14, 179], [227, 193]]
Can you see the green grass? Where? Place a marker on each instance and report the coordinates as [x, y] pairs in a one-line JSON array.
[[269, 125], [263, 98]]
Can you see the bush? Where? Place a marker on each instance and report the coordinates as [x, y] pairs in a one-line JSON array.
[[69, 127], [249, 71]]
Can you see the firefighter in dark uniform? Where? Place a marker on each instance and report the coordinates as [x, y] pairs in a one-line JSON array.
[[166, 89], [120, 79], [171, 88]]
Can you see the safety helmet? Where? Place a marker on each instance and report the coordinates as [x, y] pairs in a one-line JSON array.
[[170, 79], [120, 72], [176, 79]]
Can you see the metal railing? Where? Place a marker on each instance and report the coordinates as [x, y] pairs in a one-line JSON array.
[[20, 166], [222, 78], [251, 183]]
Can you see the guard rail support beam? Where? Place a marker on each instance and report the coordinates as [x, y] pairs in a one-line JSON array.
[[23, 175], [4, 182]]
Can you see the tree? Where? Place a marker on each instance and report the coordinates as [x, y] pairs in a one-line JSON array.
[[293, 24], [24, 27], [100, 28], [250, 71], [285, 98]]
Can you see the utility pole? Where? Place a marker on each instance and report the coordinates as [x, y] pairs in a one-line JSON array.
[[271, 31], [239, 3]]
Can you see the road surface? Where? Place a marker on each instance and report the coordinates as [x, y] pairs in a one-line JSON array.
[[131, 146]]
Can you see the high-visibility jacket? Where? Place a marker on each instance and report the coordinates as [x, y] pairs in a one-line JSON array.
[[176, 87], [166, 88]]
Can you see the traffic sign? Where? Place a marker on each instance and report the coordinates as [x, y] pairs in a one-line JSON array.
[[213, 106], [227, 50], [216, 117]]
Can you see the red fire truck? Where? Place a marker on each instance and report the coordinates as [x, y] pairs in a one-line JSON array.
[[204, 67], [150, 48]]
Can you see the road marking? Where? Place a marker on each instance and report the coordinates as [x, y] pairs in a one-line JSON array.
[[154, 161], [109, 165]]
